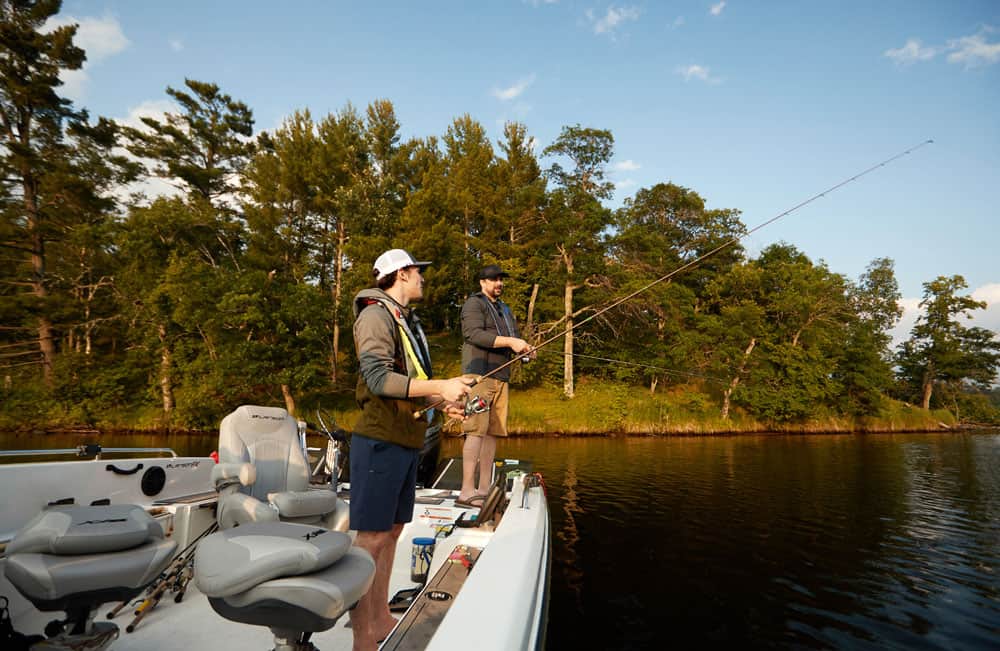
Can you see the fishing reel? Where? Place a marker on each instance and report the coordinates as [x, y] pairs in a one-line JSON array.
[[476, 405]]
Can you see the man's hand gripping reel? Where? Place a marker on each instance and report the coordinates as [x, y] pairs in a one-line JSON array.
[[474, 405]]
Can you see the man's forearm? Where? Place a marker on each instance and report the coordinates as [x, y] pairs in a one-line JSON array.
[[504, 342], [426, 388]]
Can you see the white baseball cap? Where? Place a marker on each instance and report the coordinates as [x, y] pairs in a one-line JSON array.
[[394, 260]]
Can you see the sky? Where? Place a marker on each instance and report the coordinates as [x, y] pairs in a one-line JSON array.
[[756, 106]]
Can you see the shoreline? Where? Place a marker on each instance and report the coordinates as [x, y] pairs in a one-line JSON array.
[[691, 430]]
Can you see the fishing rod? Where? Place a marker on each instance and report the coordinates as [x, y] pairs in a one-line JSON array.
[[684, 267]]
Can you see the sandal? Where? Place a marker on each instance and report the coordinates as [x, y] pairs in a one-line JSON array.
[[474, 502]]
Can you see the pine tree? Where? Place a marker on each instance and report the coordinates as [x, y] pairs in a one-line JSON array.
[[32, 142]]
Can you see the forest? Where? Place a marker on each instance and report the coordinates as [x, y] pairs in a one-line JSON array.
[[161, 275]]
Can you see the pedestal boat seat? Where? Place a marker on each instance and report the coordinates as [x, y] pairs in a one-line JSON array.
[[263, 473], [75, 558], [295, 579]]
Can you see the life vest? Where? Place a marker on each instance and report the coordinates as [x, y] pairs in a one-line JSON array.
[[412, 339]]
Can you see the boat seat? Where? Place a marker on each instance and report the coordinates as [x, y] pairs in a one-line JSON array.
[[75, 558], [263, 473], [295, 579]]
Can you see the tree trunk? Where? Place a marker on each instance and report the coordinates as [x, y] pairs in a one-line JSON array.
[[928, 387], [568, 386], [652, 385], [166, 385], [338, 288], [529, 326], [45, 343], [467, 273], [88, 327], [736, 379], [286, 391]]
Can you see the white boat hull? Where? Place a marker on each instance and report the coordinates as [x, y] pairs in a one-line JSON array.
[[502, 604]]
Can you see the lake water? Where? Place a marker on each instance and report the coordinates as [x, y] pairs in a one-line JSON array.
[[783, 542]]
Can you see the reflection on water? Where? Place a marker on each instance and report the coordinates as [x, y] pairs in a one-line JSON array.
[[804, 542], [828, 542]]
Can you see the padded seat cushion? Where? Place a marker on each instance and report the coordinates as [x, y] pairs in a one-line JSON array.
[[311, 602], [300, 504], [51, 582], [233, 561], [85, 530]]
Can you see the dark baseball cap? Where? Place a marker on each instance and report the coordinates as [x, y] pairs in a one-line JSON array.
[[492, 271]]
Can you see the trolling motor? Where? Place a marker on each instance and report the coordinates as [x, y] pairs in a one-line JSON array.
[[476, 405]]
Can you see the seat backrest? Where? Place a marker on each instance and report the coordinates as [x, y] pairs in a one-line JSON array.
[[267, 438]]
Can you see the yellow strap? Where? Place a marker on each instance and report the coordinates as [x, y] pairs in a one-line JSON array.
[[421, 375]]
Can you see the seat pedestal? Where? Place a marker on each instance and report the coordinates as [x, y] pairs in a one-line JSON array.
[[75, 558], [97, 637]]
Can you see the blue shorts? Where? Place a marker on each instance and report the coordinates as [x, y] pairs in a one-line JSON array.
[[383, 483]]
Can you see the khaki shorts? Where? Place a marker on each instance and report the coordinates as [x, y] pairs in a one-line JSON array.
[[494, 421]]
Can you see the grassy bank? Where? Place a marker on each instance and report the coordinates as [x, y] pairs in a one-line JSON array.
[[600, 407], [607, 408]]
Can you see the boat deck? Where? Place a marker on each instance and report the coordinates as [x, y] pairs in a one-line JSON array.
[[193, 625], [468, 566]]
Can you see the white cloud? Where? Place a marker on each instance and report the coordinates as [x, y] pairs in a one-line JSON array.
[[153, 186], [514, 91], [611, 20], [717, 8], [911, 52], [973, 50], [626, 166], [697, 72], [151, 108], [74, 84], [988, 318], [176, 44], [624, 184], [100, 38], [911, 310], [989, 294]]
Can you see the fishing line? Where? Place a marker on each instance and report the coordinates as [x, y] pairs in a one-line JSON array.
[[668, 371], [688, 265]]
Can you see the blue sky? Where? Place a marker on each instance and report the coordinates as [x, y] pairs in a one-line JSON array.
[[754, 105]]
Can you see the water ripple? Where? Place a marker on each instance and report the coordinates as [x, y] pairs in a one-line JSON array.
[[827, 542]]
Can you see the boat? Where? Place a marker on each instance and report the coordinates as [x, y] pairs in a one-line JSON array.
[[460, 576]]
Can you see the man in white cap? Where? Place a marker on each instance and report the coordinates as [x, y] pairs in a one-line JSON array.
[[394, 370]]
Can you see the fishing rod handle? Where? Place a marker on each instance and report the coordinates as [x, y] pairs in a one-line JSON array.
[[478, 378]]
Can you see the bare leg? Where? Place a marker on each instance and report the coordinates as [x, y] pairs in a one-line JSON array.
[[470, 459], [384, 621], [368, 619], [487, 455]]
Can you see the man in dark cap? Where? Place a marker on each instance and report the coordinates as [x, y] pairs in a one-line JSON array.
[[491, 338]]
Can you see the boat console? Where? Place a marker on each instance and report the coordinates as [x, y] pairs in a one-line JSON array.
[[75, 558], [295, 579]]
